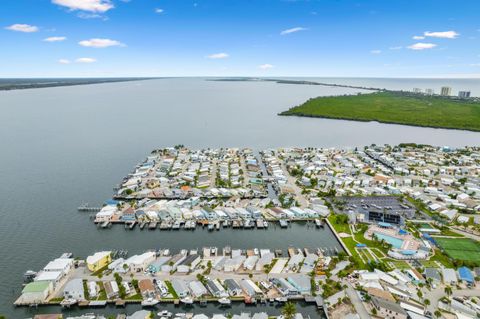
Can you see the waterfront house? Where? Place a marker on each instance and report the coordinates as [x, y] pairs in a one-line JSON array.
[[146, 287], [250, 288], [141, 314], [301, 283], [119, 265], [233, 288], [51, 276], [294, 262], [92, 289], [36, 292], [233, 264], [197, 289], [111, 289], [249, 263], [74, 289], [309, 263], [188, 264], [215, 288], [285, 287], [139, 263], [98, 260], [265, 259], [62, 265], [157, 264], [180, 287]]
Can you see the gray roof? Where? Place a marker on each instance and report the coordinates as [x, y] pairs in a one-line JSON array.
[[232, 284], [432, 273], [382, 303]]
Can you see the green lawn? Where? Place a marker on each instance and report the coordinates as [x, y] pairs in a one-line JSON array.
[[429, 263], [400, 264], [465, 249], [393, 107]]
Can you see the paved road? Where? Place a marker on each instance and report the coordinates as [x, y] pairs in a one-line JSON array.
[[464, 233], [357, 302]]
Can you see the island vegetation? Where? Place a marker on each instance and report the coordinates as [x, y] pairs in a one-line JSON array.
[[395, 107], [22, 84]]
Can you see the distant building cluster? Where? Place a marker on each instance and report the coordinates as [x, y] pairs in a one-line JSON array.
[[444, 91]]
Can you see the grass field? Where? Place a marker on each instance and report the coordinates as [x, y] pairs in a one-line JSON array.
[[400, 264], [392, 107], [460, 248]]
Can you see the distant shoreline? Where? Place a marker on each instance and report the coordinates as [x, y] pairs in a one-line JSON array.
[[24, 84], [297, 82]]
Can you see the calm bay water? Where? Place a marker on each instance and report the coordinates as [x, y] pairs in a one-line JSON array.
[[66, 145]]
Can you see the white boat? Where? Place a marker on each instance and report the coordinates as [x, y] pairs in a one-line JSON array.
[[180, 315], [187, 300], [164, 314], [281, 299], [224, 301], [149, 302], [68, 302]]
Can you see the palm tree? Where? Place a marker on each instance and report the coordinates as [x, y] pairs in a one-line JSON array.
[[289, 310], [448, 290]]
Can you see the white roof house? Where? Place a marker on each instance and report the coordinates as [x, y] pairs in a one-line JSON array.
[[49, 276], [63, 265], [93, 259], [250, 262], [74, 289], [197, 288], [92, 288], [449, 276], [140, 262]]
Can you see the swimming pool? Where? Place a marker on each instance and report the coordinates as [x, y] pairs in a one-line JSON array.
[[395, 242]]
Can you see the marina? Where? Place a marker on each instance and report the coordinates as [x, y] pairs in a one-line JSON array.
[[193, 276], [64, 148]]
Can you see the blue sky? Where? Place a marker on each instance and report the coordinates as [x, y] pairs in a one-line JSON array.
[[378, 38]]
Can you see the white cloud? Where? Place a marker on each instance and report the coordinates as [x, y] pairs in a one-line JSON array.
[[395, 48], [100, 43], [292, 30], [265, 66], [22, 28], [85, 60], [84, 15], [158, 10], [54, 39], [421, 46], [64, 61], [441, 34], [475, 64], [376, 51], [86, 5], [221, 55], [418, 37]]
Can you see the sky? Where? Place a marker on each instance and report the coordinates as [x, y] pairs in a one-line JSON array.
[[318, 38]]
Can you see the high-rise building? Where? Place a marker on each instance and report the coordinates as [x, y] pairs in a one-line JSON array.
[[446, 91], [464, 94], [417, 90], [429, 91]]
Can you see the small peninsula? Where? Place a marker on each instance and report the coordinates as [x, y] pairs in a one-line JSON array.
[[395, 107]]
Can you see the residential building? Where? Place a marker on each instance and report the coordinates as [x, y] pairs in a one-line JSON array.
[[99, 260], [446, 91]]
